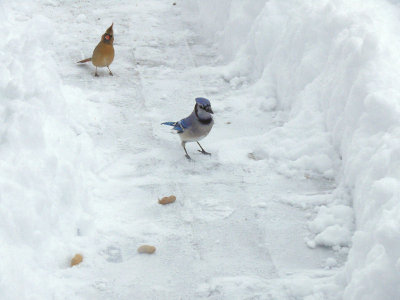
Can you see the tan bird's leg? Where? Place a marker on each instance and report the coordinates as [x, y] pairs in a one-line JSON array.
[[110, 71]]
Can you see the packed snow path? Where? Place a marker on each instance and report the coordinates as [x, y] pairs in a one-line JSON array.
[[232, 233]]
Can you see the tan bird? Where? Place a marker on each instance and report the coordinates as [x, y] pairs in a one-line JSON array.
[[103, 54]]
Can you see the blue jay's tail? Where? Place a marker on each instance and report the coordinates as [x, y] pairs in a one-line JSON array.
[[169, 123], [178, 126]]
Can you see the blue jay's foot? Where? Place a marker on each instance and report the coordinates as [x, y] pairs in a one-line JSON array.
[[184, 148], [204, 152]]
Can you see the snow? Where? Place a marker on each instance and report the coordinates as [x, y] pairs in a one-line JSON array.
[[332, 66], [44, 165], [299, 199]]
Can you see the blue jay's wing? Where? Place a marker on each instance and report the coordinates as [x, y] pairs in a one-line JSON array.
[[181, 125], [185, 123]]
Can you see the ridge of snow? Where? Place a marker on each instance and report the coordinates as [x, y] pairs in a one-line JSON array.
[[333, 67]]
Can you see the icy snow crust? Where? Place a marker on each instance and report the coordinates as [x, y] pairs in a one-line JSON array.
[[305, 97], [334, 67]]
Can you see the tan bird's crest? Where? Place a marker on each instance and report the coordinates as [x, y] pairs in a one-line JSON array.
[[108, 36], [110, 29]]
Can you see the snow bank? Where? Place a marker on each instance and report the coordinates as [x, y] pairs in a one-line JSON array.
[[333, 67], [46, 159]]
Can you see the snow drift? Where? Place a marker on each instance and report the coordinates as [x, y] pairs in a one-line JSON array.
[[45, 159], [333, 67]]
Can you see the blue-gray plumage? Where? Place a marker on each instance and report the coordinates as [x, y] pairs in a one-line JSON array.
[[196, 126]]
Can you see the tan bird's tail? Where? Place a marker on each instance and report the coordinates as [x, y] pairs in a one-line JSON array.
[[85, 60]]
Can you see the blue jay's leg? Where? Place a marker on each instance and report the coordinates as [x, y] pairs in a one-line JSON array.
[[184, 148], [202, 150]]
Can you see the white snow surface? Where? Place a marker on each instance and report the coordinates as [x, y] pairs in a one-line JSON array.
[[334, 67], [299, 200]]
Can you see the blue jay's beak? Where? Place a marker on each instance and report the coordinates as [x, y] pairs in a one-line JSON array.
[[209, 110]]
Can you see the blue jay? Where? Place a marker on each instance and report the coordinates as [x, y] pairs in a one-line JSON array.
[[196, 126]]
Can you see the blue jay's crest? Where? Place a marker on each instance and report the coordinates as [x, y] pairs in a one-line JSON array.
[[203, 101]]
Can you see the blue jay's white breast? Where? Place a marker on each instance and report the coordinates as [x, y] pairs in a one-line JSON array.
[[196, 132]]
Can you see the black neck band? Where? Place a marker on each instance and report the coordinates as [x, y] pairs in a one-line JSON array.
[[202, 121]]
